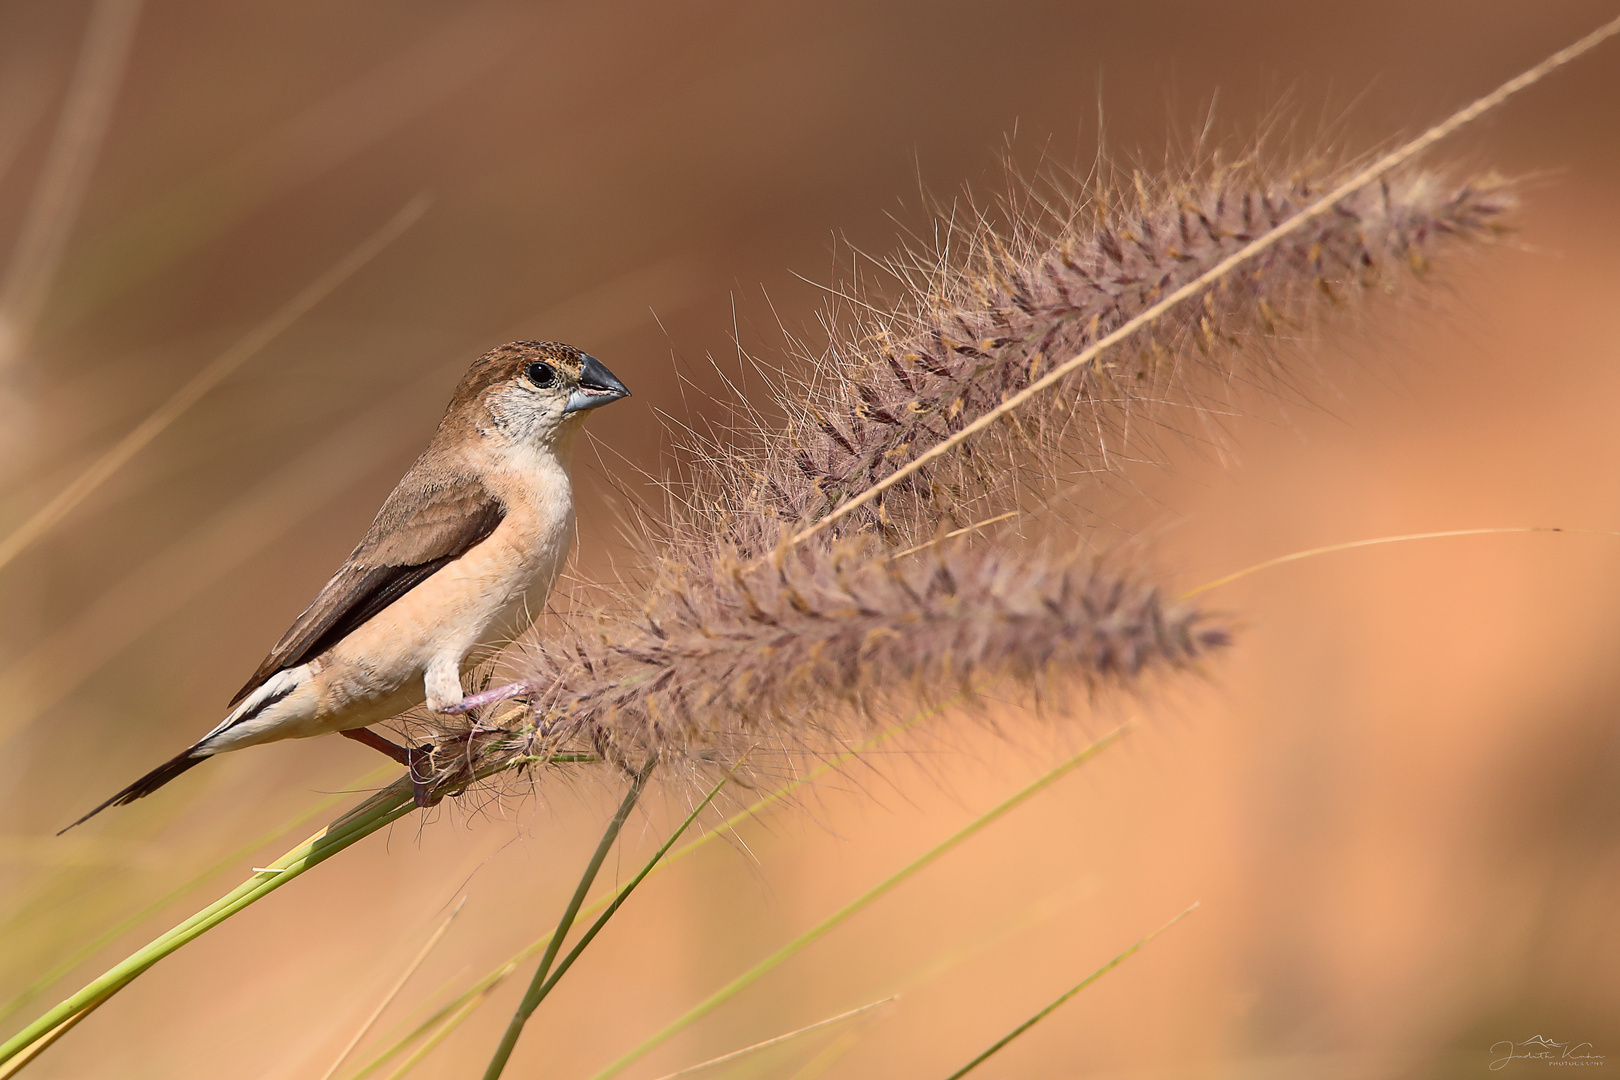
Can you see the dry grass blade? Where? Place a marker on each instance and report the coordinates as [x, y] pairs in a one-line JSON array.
[[206, 379], [954, 533], [393, 991], [375, 813], [234, 857], [450, 1016], [66, 173], [860, 1010], [792, 948], [1379, 541], [1001, 1043], [45, 1042]]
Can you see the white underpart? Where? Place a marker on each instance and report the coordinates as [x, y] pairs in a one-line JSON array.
[[234, 731]]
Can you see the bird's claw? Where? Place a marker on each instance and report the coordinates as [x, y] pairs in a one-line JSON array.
[[420, 764]]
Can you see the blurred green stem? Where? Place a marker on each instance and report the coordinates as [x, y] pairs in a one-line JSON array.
[[538, 985], [1065, 996], [753, 974], [448, 1016], [233, 858], [379, 811]]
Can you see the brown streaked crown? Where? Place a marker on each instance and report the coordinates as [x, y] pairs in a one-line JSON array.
[[506, 362]]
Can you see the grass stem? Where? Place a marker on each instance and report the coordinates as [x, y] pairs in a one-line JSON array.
[[1065, 996], [231, 858], [538, 985], [753, 974], [777, 1040], [393, 992], [205, 380], [377, 812], [450, 1015]]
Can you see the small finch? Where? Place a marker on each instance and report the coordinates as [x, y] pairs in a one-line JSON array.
[[480, 524]]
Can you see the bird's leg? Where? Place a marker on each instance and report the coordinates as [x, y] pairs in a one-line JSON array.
[[408, 756], [367, 737]]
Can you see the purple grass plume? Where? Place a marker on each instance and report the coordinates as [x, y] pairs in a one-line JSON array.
[[992, 310], [784, 651], [741, 640]]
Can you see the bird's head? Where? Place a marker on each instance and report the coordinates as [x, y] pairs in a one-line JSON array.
[[532, 392]]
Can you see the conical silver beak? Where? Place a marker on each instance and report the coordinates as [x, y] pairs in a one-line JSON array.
[[597, 387]]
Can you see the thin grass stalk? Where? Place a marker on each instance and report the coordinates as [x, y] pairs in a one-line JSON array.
[[205, 380], [1378, 541], [430, 1045], [792, 948], [59, 192], [89, 948], [830, 1056], [393, 991], [45, 1042], [782, 1038], [1065, 996], [624, 893], [377, 812], [1319, 208], [459, 1008], [618, 900], [932, 969], [537, 985]]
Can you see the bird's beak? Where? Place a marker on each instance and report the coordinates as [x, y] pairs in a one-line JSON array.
[[597, 387]]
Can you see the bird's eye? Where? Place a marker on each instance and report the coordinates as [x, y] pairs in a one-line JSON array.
[[541, 373]]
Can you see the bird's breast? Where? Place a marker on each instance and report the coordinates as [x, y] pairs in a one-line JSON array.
[[476, 598]]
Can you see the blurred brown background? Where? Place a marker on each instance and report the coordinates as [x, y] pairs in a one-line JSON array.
[[1398, 799]]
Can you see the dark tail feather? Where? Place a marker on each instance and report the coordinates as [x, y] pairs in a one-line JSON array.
[[148, 783]]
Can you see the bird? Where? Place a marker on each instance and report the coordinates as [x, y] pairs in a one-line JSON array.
[[480, 525]]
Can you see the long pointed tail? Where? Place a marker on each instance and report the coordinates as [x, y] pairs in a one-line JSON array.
[[149, 783]]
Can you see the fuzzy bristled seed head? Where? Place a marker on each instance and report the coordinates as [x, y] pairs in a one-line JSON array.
[[995, 311], [781, 652], [746, 641]]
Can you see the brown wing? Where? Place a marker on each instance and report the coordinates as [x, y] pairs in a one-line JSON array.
[[435, 515]]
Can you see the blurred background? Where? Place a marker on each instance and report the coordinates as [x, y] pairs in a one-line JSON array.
[[1397, 799]]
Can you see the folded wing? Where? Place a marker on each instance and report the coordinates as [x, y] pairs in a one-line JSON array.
[[434, 517]]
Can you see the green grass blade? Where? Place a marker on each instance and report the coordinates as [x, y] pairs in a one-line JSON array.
[[617, 899], [447, 1017], [596, 928], [428, 1047], [624, 894], [375, 813], [1065, 996], [778, 1040], [95, 944], [747, 978], [531, 997]]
